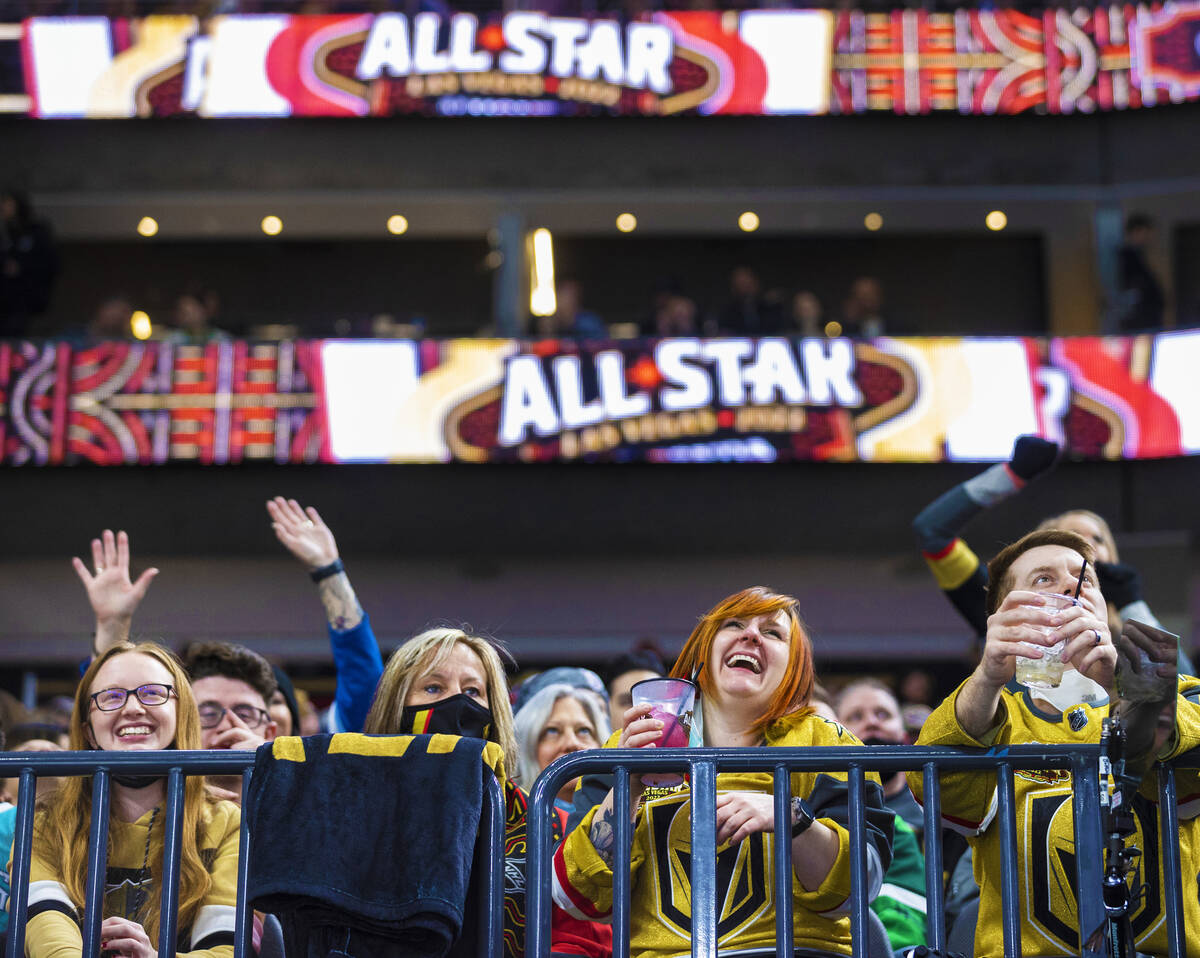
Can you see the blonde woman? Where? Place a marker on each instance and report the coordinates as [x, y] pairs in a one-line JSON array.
[[447, 681], [133, 698]]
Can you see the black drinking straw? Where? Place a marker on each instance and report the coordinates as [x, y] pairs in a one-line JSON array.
[[1079, 584]]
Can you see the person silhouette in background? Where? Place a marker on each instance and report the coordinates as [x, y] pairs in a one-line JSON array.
[[1141, 299], [28, 264]]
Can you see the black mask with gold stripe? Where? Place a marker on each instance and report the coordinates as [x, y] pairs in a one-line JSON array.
[[457, 715]]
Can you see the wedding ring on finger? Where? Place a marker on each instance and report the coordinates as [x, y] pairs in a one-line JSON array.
[[308, 524], [1096, 633]]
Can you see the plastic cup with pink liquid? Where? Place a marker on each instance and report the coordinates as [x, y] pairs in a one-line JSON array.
[[672, 702]]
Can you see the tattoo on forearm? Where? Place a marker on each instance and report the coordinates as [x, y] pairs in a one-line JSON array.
[[603, 836], [341, 604]]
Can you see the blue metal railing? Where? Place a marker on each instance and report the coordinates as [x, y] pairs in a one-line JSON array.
[[175, 767], [703, 765]]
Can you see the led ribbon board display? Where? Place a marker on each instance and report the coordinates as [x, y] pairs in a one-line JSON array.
[[669, 400], [757, 62]]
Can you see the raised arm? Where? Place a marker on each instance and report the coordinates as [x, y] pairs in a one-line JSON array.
[[306, 536], [112, 595], [1015, 630], [958, 571], [355, 650]]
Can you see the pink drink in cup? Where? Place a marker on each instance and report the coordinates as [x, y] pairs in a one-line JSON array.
[[671, 701]]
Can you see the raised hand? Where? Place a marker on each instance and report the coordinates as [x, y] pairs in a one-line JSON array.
[[112, 595], [306, 536], [1032, 456], [1015, 629], [1089, 645], [302, 532]]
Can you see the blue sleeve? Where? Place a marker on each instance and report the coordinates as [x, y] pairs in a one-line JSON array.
[[359, 667]]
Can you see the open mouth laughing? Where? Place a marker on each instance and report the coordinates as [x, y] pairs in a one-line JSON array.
[[746, 661]]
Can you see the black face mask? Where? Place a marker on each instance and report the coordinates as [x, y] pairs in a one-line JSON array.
[[130, 780], [457, 715], [136, 781]]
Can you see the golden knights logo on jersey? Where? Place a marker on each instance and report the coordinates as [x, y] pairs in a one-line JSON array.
[[744, 889], [1050, 868]]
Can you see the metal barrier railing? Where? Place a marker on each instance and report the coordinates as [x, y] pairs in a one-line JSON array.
[[703, 765], [175, 767]]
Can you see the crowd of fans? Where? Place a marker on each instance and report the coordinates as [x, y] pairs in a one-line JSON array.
[[194, 316], [747, 310], [752, 660]]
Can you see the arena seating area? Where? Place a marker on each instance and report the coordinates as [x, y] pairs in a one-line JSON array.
[[604, 479]]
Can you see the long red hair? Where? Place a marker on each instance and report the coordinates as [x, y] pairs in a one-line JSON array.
[[796, 687]]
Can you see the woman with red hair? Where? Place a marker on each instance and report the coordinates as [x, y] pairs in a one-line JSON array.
[[753, 662]]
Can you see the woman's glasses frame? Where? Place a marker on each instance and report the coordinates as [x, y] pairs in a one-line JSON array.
[[158, 693]]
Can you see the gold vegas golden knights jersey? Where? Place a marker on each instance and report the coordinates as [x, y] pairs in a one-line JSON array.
[[1045, 825], [661, 912]]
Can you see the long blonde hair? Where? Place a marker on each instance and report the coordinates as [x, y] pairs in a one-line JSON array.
[[420, 654], [65, 815]]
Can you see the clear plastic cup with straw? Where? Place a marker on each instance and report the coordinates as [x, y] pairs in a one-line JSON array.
[[672, 702], [1046, 672]]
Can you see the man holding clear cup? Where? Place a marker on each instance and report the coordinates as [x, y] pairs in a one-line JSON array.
[[1037, 627], [1027, 617]]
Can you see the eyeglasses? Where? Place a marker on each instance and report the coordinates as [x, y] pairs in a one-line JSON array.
[[153, 694], [211, 714]]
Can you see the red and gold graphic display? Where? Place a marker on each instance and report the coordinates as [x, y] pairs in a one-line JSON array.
[[526, 63], [667, 400], [147, 404]]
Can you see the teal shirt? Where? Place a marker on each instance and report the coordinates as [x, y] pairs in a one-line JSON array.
[[8, 826]]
